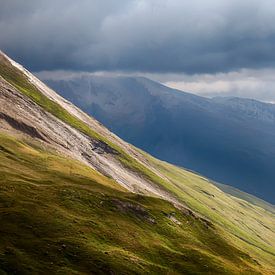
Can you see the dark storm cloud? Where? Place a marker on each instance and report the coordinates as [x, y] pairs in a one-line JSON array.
[[139, 35]]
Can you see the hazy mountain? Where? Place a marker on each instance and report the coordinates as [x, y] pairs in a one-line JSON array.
[[230, 140], [76, 199]]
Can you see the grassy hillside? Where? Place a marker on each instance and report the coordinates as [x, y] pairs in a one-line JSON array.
[[250, 226], [59, 216], [245, 196]]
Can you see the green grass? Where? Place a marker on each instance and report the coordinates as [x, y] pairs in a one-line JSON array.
[[59, 216], [252, 227], [245, 196]]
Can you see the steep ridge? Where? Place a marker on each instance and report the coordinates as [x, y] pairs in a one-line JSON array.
[[87, 145], [81, 174]]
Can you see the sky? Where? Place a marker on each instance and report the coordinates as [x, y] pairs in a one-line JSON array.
[[209, 47]]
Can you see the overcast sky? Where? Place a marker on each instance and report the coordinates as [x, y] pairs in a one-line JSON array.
[[206, 46]]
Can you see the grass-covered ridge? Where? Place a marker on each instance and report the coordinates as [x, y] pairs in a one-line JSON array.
[[20, 81], [251, 226], [59, 216]]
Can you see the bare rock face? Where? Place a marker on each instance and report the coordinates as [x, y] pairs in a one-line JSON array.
[[21, 126]]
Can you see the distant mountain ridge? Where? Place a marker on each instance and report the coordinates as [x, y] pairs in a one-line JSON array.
[[230, 140]]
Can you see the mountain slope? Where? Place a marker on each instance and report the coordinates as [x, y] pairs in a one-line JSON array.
[[58, 212], [214, 137], [74, 198]]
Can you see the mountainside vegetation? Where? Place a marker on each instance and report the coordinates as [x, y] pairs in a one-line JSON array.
[[60, 216]]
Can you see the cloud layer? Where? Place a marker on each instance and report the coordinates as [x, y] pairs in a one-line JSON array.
[[256, 84], [157, 36]]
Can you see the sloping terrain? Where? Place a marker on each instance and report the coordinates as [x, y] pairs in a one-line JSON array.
[[214, 137], [76, 199], [59, 216]]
